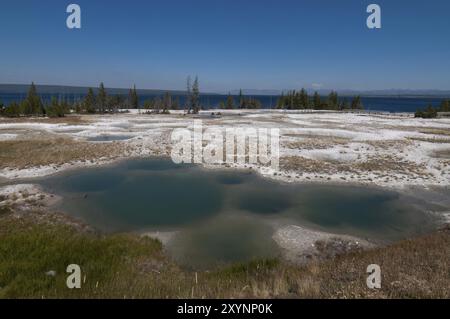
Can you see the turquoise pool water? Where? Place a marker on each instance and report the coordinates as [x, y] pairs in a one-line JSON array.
[[227, 216]]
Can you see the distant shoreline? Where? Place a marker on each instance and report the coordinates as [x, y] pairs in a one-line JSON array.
[[15, 88]]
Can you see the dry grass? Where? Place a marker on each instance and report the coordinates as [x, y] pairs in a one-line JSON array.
[[305, 165], [442, 154], [416, 268], [389, 144], [435, 131], [431, 140], [69, 120], [389, 164], [126, 266], [317, 142], [53, 150], [384, 165]]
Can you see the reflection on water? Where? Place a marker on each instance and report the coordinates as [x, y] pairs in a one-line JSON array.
[[223, 240], [230, 178], [223, 216], [269, 200]]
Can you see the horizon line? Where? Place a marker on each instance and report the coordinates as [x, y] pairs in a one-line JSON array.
[[226, 92]]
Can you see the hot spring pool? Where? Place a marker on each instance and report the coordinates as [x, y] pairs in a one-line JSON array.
[[226, 216]]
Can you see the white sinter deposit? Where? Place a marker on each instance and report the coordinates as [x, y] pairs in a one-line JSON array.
[[382, 149]]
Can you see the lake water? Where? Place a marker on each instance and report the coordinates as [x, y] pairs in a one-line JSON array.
[[226, 216]]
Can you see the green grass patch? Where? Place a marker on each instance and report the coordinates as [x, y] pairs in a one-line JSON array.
[[28, 252], [129, 266]]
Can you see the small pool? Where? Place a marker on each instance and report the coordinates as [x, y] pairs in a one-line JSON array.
[[109, 138], [69, 131], [227, 216]]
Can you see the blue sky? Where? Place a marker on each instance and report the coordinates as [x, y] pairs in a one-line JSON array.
[[229, 44]]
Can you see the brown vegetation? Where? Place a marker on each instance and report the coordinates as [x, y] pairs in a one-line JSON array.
[[69, 120], [316, 142], [47, 149]]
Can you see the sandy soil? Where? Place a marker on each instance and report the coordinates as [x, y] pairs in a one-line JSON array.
[[25, 196], [301, 245], [32, 202]]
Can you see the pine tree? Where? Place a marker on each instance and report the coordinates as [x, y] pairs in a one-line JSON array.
[[188, 94], [304, 100], [115, 102], [167, 102], [130, 98], [64, 107], [33, 104], [133, 98], [296, 100], [230, 102], [148, 104], [195, 104], [89, 102], [13, 110], [356, 103], [430, 112], [56, 109], [344, 105], [316, 101], [333, 101], [445, 106], [253, 103], [101, 98], [281, 101], [241, 100], [290, 100]]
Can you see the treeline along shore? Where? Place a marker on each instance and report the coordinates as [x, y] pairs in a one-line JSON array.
[[100, 101]]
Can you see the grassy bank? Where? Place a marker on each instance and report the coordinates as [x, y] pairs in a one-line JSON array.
[[118, 266]]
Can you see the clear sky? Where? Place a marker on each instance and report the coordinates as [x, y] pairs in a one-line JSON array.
[[229, 44]]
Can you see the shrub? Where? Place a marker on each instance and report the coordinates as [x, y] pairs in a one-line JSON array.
[[428, 113], [56, 109]]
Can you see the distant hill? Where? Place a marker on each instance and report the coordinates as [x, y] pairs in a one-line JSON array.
[[397, 93], [62, 89], [254, 92], [366, 93]]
